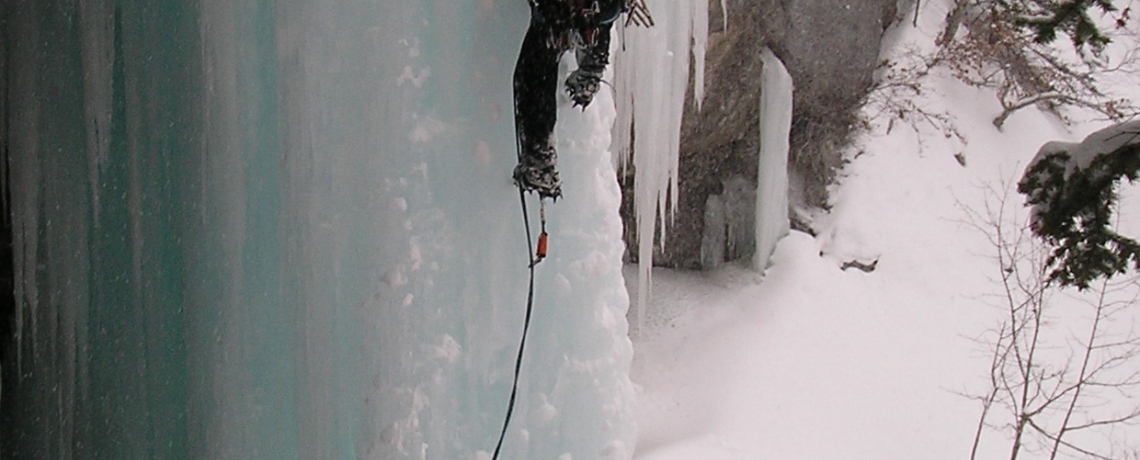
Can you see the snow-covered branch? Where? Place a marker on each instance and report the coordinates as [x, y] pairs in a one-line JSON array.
[[1072, 189]]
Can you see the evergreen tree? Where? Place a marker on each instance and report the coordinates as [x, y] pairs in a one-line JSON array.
[[1073, 191], [1072, 18]]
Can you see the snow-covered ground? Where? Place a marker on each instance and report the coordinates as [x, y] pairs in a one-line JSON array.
[[810, 361]]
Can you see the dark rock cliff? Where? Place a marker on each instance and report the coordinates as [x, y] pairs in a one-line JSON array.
[[830, 48]]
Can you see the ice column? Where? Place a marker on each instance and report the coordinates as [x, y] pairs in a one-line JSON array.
[[772, 178], [577, 399]]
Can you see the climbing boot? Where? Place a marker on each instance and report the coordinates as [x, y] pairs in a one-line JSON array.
[[535, 172]]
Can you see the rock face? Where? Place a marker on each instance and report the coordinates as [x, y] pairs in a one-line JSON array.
[[831, 49]]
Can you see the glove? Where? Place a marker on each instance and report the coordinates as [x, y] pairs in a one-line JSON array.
[[581, 86]]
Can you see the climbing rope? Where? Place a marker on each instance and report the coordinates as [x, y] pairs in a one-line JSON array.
[[539, 255]]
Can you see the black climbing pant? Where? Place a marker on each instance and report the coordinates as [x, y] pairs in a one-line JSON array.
[[556, 27]]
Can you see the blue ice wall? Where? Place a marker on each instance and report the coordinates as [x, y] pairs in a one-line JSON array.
[[286, 230]]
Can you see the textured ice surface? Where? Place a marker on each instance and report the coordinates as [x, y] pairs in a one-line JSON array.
[[772, 178], [729, 232], [295, 237]]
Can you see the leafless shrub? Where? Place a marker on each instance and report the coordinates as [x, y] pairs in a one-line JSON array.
[[1063, 372], [899, 91], [985, 44]]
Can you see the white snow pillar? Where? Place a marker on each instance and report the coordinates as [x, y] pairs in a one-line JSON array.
[[772, 179]]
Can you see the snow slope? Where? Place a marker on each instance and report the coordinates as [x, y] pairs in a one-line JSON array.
[[810, 361]]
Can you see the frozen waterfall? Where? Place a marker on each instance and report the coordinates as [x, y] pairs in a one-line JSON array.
[[286, 230]]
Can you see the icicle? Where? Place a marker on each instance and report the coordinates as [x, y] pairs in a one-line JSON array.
[[772, 178], [98, 54], [25, 176], [657, 60], [700, 43], [724, 14], [620, 142]]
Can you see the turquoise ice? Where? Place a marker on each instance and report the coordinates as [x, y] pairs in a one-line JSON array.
[[252, 229]]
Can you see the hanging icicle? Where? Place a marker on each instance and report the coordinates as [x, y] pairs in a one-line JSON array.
[[652, 75]]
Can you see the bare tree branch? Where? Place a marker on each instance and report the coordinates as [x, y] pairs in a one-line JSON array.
[[1046, 382]]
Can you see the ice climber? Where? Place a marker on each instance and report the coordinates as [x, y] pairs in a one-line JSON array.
[[557, 26]]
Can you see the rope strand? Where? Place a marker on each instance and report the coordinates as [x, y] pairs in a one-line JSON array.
[[526, 327]]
